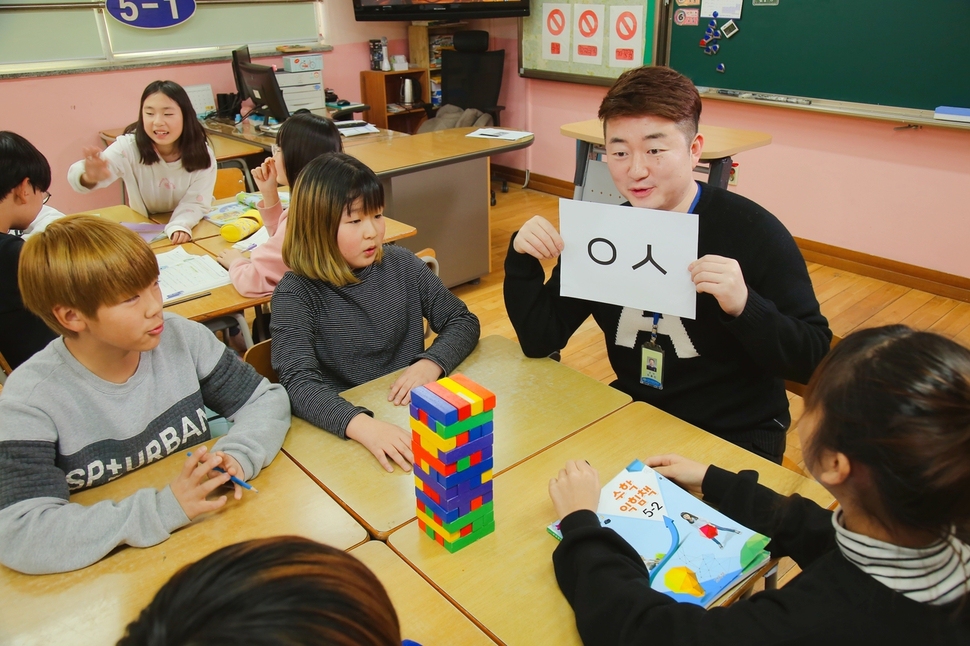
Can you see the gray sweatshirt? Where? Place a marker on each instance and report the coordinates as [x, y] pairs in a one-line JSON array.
[[63, 429]]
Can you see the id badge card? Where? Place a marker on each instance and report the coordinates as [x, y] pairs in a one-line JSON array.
[[652, 365]]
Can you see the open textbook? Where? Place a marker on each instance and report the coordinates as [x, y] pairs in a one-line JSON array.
[[693, 552], [182, 274]]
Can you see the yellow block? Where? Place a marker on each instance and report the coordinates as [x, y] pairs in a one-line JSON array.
[[486, 476], [451, 537], [464, 393], [430, 440]]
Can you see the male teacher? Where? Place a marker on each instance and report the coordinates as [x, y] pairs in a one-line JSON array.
[[758, 321]]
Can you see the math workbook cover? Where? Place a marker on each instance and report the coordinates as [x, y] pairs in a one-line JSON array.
[[693, 552]]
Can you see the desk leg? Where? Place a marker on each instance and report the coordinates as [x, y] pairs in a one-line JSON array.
[[720, 172], [582, 159]]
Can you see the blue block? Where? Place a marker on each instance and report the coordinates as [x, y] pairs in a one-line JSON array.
[[486, 428], [444, 493], [471, 472], [462, 506], [465, 450], [435, 407]]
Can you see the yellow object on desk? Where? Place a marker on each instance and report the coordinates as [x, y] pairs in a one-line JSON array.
[[246, 225]]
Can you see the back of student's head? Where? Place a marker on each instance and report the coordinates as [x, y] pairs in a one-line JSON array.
[[20, 160], [83, 262], [328, 186], [655, 92], [282, 590], [896, 402], [192, 141], [304, 137]]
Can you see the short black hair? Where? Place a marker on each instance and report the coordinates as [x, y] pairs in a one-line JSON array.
[[19, 160], [304, 137]]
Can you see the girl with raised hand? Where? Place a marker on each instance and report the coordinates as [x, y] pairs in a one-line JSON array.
[[164, 159], [351, 308], [302, 138], [886, 430]]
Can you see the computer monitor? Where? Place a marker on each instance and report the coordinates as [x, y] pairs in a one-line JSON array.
[[262, 88], [240, 55]]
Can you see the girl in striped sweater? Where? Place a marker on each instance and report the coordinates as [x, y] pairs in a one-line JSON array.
[[351, 308], [886, 430]]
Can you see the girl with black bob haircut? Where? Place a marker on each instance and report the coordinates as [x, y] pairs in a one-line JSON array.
[[263, 592], [886, 430], [163, 157]]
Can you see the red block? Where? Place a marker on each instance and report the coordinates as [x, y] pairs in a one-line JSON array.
[[461, 439], [476, 457], [464, 407], [423, 417], [421, 525], [476, 503], [488, 397], [430, 492], [466, 530]]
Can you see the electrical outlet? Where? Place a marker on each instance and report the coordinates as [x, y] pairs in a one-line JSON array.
[[733, 175]]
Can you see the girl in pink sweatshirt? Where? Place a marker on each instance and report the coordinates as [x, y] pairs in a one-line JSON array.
[[302, 138]]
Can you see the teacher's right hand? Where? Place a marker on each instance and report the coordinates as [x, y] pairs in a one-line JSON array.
[[95, 168], [539, 239]]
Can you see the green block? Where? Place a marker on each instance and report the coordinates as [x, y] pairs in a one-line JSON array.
[[464, 463], [450, 431], [471, 517], [465, 541]]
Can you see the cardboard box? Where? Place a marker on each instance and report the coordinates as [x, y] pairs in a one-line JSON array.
[[290, 79], [303, 62]]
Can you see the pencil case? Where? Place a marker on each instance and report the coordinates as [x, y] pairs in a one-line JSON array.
[[247, 224]]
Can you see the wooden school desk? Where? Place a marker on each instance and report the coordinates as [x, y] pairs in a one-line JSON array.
[[425, 616], [539, 402], [121, 213], [505, 580], [224, 148], [436, 181], [93, 605], [719, 145]]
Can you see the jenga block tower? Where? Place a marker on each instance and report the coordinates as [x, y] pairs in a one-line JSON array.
[[451, 437]]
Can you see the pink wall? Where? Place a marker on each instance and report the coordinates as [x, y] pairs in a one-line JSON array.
[[849, 182], [853, 183], [62, 114]]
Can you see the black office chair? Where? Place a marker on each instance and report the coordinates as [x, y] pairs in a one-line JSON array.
[[471, 78]]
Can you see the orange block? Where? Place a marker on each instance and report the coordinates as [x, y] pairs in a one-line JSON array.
[[488, 397]]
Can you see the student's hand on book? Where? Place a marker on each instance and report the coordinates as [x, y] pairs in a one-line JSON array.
[[419, 373], [230, 466], [181, 237], [539, 239], [196, 481], [228, 256], [383, 440], [95, 167], [687, 473], [722, 278], [577, 487], [266, 178]]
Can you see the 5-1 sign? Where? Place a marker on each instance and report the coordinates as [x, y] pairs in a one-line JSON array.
[[151, 14]]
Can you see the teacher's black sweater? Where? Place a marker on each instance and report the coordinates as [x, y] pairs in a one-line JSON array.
[[723, 374], [831, 602]]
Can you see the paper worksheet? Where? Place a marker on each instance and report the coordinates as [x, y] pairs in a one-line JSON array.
[[628, 256], [725, 8], [182, 274], [499, 133], [359, 130], [253, 241]]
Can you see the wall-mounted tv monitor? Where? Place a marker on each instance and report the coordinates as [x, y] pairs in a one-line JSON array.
[[437, 10], [264, 90]]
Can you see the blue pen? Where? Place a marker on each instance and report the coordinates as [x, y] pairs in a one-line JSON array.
[[241, 483]]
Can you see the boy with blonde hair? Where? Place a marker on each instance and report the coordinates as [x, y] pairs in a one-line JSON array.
[[125, 385]]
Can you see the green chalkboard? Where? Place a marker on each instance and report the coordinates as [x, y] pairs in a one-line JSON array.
[[912, 54]]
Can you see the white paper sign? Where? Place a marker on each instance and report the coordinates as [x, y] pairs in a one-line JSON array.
[[626, 36], [555, 31], [628, 256], [588, 31], [725, 9]]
